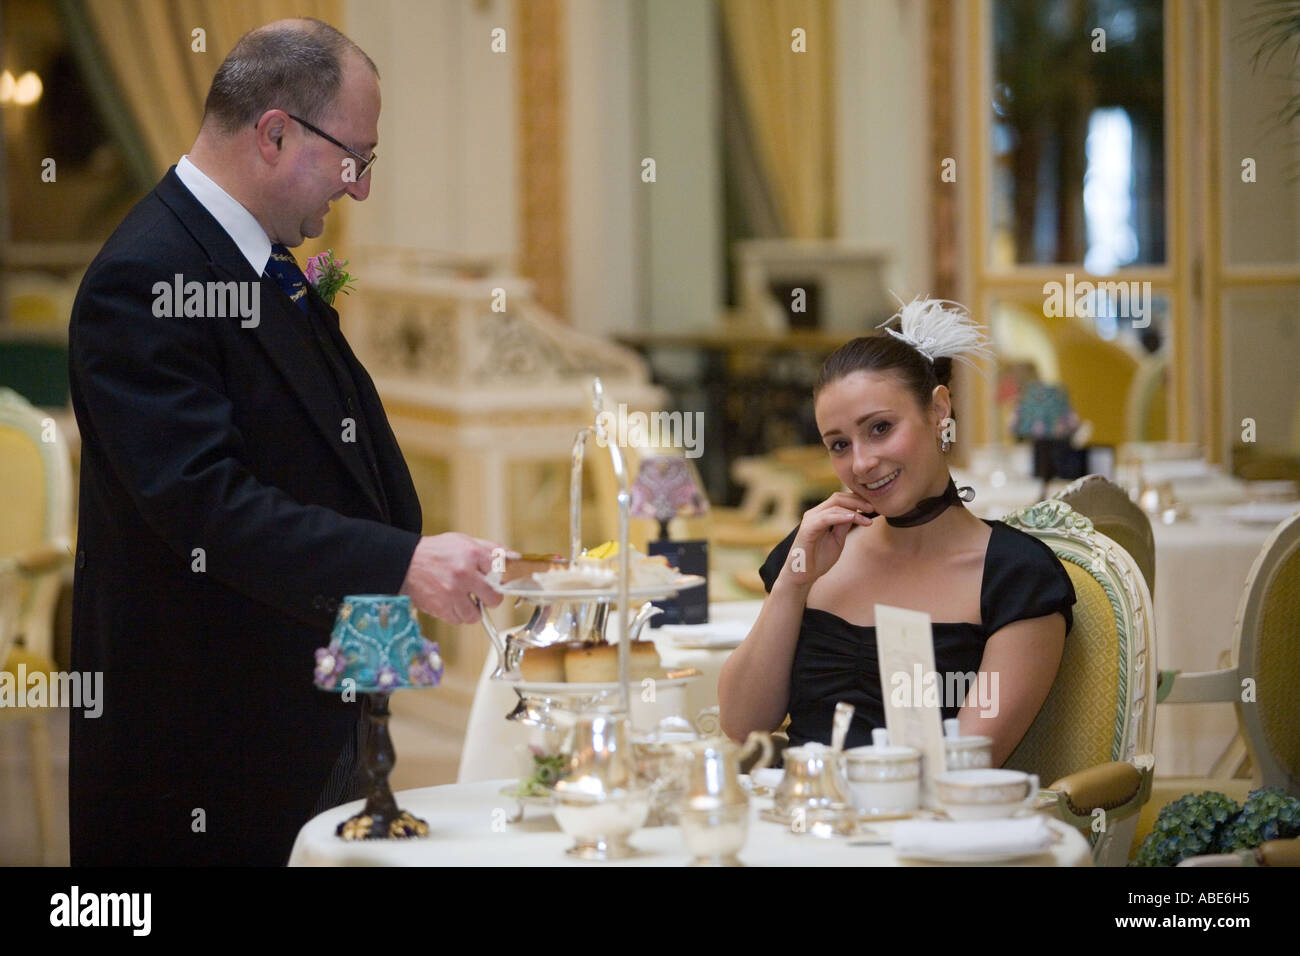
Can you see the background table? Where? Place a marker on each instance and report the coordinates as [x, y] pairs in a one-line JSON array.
[[468, 827], [1201, 571]]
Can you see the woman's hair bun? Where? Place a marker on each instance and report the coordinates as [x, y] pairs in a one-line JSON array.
[[943, 370]]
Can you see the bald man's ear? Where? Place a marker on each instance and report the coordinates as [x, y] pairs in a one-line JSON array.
[[270, 131]]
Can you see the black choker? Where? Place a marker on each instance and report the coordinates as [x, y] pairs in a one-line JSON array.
[[930, 508]]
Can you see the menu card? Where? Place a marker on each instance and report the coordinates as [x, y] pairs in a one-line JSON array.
[[905, 649]]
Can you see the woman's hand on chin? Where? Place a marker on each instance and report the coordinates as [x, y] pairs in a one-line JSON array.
[[820, 539]]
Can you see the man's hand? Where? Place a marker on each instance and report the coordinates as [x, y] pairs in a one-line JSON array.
[[445, 570]]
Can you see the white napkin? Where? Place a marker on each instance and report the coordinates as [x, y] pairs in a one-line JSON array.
[[1030, 834], [717, 634], [1177, 470], [1263, 512], [769, 777]]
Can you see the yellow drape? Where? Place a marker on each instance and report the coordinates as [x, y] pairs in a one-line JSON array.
[[164, 80], [790, 100]]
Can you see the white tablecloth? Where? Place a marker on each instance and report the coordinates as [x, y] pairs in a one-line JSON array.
[[469, 827]]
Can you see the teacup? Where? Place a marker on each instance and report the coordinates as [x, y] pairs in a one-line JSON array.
[[968, 753], [985, 794]]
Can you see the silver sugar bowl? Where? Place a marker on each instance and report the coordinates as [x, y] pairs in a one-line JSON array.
[[658, 755], [600, 801]]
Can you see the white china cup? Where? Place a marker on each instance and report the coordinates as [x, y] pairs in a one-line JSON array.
[[985, 794], [968, 753]]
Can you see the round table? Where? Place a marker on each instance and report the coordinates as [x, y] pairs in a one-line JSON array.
[[469, 826]]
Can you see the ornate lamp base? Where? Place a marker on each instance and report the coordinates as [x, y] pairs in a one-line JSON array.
[[380, 818]]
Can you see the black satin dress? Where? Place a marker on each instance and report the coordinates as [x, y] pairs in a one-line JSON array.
[[836, 661]]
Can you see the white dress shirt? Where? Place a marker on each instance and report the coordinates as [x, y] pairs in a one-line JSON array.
[[238, 222]]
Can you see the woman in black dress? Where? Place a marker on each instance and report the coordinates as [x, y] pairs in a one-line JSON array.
[[898, 534]]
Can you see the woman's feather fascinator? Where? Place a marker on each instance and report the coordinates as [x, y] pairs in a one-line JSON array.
[[939, 328]]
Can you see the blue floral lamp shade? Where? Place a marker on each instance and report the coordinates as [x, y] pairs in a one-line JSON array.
[[1044, 412], [376, 648], [1044, 416]]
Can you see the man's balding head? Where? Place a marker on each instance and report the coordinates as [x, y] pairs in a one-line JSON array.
[[293, 65]]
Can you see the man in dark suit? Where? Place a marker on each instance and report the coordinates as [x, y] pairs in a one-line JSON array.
[[238, 479]]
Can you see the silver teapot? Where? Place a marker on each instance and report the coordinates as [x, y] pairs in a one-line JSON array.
[[559, 622]]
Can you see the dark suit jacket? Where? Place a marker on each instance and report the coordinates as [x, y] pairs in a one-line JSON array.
[[198, 433]]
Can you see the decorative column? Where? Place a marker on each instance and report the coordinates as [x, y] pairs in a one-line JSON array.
[[942, 136], [539, 40]]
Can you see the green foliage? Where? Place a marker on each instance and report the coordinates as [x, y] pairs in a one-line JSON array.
[[1211, 822], [547, 770], [1270, 814], [1187, 827]]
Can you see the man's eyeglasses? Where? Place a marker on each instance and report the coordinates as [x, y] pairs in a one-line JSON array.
[[365, 162]]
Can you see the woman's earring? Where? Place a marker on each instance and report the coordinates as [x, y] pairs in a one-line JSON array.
[[945, 447]]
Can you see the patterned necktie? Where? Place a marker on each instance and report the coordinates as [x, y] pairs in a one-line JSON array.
[[283, 268]]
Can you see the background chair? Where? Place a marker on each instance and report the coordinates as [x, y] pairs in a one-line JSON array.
[[35, 544], [1146, 412], [1115, 515], [1093, 736], [1260, 684]]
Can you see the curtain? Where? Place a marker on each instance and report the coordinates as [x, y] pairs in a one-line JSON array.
[[148, 45], [789, 98]]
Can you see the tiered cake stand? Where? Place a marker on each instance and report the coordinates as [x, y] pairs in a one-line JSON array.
[[614, 697]]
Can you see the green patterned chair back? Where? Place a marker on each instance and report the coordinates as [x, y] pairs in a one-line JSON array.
[[1101, 706], [1268, 656], [1115, 515]]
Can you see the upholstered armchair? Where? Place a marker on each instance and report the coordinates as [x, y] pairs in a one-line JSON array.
[[1114, 514], [1093, 736], [1260, 683], [35, 544]]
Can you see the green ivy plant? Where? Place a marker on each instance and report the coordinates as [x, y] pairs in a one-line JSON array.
[[1211, 822]]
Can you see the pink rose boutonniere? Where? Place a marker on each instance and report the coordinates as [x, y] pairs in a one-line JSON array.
[[327, 276]]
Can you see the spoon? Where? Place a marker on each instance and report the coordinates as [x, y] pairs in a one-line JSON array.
[[840, 725]]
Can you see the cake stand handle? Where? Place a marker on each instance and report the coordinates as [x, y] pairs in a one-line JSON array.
[[624, 501]]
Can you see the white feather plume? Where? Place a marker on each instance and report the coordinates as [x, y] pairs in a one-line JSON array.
[[939, 328]]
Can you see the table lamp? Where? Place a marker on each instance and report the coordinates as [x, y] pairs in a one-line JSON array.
[[376, 648], [666, 487], [1043, 415]]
